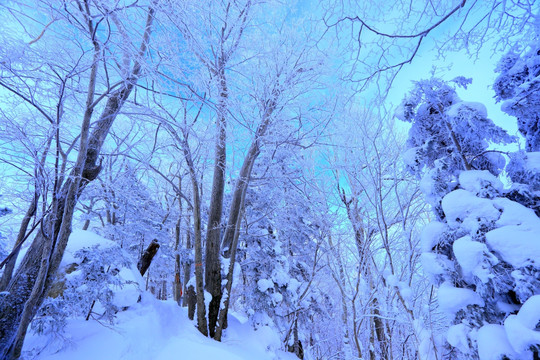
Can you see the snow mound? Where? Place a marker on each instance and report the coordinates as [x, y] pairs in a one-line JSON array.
[[516, 240], [480, 182], [432, 234], [464, 107]]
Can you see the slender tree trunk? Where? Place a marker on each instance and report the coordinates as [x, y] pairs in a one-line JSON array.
[[222, 321], [201, 307], [191, 299], [177, 284], [244, 177], [187, 266], [213, 233], [10, 265]]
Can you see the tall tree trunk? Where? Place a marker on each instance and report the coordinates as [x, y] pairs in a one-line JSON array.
[[177, 284], [213, 233], [244, 177], [201, 307]]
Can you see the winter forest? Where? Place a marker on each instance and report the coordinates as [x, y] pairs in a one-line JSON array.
[[270, 179]]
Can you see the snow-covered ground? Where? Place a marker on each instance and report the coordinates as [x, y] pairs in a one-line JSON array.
[[147, 330], [154, 329]]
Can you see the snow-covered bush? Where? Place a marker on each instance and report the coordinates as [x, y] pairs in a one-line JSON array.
[[96, 280]]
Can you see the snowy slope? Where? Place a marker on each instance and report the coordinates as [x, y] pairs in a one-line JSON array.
[[157, 330], [147, 330]]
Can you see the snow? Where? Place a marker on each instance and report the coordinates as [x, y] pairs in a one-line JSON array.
[[293, 285], [532, 162], [529, 314], [433, 264], [276, 298], [464, 209], [431, 235], [392, 280], [452, 299], [516, 245], [80, 239], [265, 284], [514, 213], [157, 330], [457, 337], [493, 343], [410, 157], [467, 106], [471, 256], [476, 181], [521, 328], [516, 240]]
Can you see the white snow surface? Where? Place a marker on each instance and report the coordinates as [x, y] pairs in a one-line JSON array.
[[477, 180], [453, 299], [533, 161], [521, 328], [472, 256], [156, 330], [434, 264], [457, 337], [431, 235], [493, 343], [516, 240], [265, 284], [467, 107], [464, 209]]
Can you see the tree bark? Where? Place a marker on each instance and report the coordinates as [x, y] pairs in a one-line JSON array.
[[213, 232], [10, 265], [222, 320], [191, 299], [187, 266], [147, 257]]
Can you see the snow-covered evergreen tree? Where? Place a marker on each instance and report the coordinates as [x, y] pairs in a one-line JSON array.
[[481, 251], [518, 87]]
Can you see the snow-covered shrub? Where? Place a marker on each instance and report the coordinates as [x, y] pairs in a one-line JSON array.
[[97, 279]]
